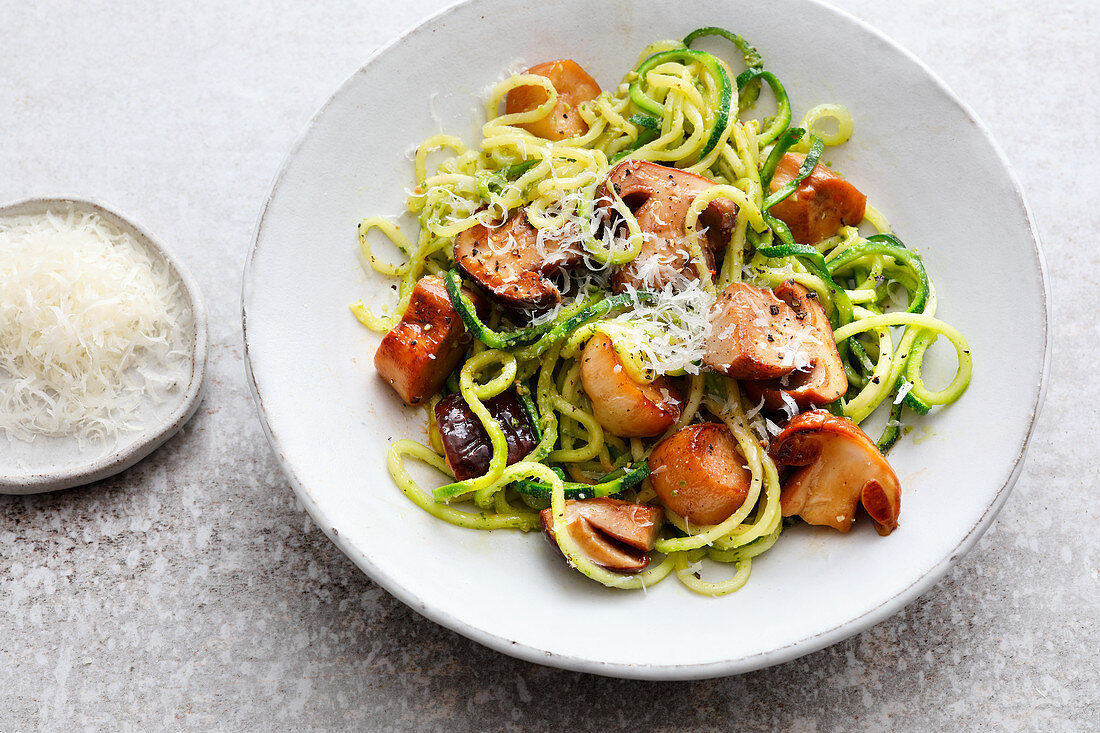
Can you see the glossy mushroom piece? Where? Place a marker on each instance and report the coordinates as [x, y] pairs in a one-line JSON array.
[[622, 406], [699, 473], [660, 197], [824, 380], [421, 351], [836, 468], [465, 441], [511, 264], [614, 534], [820, 205], [573, 85], [756, 335]]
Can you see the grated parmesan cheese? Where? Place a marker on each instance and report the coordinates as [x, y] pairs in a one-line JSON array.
[[90, 325], [755, 411], [672, 331], [790, 407], [903, 391]]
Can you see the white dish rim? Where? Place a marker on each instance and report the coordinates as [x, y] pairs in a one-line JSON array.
[[153, 437], [741, 665]]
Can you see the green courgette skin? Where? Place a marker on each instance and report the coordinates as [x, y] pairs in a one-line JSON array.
[[781, 120], [748, 94], [633, 476], [651, 130], [725, 89], [804, 170], [889, 245], [509, 339]]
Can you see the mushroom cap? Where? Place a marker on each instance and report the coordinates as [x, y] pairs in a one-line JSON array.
[[756, 335], [826, 380], [614, 534], [511, 264], [660, 197], [836, 468]]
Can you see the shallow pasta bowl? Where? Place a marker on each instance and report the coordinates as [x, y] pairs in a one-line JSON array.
[[331, 419]]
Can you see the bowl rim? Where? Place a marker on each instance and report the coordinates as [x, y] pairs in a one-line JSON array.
[[787, 652], [154, 436]]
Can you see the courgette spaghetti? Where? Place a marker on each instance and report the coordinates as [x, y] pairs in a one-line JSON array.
[[685, 108]]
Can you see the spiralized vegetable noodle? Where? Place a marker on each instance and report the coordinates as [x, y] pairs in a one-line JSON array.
[[691, 110]]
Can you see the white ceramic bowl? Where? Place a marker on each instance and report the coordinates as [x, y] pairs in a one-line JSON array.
[[50, 464], [917, 150]]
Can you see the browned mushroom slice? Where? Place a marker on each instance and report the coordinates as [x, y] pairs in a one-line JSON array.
[[660, 197], [825, 380], [755, 335], [420, 352], [622, 406], [699, 473], [819, 206], [837, 467], [510, 263], [614, 534], [465, 441], [573, 85]]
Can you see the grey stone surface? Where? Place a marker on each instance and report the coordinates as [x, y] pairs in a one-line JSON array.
[[192, 592]]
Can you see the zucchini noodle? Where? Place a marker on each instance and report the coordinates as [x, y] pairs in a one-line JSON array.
[[688, 109], [812, 123]]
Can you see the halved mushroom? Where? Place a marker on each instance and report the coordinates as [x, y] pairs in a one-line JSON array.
[[819, 206], [465, 441], [755, 335], [420, 352], [614, 534], [660, 197], [573, 85], [699, 473], [622, 406], [837, 467], [824, 380], [512, 264]]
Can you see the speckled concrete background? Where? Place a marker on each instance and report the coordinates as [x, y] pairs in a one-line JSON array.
[[191, 591]]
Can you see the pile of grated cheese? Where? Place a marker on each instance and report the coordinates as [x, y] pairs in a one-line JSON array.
[[673, 329], [90, 325]]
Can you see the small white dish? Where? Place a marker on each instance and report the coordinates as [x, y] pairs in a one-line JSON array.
[[919, 153], [50, 464]]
